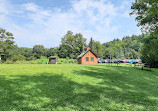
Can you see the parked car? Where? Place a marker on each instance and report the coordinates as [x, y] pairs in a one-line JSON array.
[[104, 61], [130, 61], [108, 60], [114, 60], [137, 61], [99, 61], [119, 61], [125, 61]]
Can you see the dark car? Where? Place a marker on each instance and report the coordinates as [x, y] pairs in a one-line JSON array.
[[104, 61], [119, 61], [114, 61]]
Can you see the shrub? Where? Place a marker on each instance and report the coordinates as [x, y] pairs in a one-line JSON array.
[[18, 57], [67, 61], [30, 58], [25, 62], [8, 62]]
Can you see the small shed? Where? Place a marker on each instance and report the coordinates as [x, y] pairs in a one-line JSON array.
[[87, 57], [53, 60]]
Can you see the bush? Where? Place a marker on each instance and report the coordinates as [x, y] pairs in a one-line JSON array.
[[18, 57], [30, 58], [8, 62], [67, 61], [25, 62]]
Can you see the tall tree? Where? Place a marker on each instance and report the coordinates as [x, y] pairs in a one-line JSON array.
[[38, 51], [96, 47], [6, 44], [147, 14], [147, 17], [73, 44], [91, 43], [150, 50]]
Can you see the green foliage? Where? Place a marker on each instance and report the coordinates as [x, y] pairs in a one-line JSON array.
[[77, 88], [67, 61], [26, 62], [127, 48], [150, 50], [8, 62], [18, 57], [147, 14], [52, 52], [6, 44], [39, 61], [147, 17], [72, 45], [38, 51], [96, 47]]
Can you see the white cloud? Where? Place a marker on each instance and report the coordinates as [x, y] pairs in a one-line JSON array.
[[124, 5], [89, 17], [31, 7], [4, 7]]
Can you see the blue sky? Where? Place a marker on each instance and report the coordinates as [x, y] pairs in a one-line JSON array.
[[44, 22]]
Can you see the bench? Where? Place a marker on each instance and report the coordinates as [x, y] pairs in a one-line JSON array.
[[142, 65], [147, 66], [138, 64]]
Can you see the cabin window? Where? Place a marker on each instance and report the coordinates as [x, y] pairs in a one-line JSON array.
[[92, 58], [87, 58]]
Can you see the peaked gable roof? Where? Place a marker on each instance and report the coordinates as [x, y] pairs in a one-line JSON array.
[[82, 54]]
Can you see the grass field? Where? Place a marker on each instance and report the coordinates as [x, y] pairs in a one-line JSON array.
[[77, 87]]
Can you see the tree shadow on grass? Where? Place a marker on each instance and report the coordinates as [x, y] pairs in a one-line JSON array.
[[46, 91], [125, 87], [43, 92]]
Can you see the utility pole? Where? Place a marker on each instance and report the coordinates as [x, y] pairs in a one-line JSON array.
[[110, 54], [91, 43], [83, 45]]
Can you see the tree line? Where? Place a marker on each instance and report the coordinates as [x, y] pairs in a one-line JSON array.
[[71, 46], [143, 46]]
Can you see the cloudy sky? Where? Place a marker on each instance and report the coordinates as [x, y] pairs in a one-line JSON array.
[[44, 22]]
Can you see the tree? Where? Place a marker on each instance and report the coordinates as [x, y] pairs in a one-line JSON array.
[[127, 48], [150, 50], [65, 51], [147, 14], [91, 43], [147, 17], [52, 52], [72, 45], [96, 47], [38, 51], [18, 57], [6, 44]]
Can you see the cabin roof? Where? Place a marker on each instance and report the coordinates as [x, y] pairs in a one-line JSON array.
[[82, 54]]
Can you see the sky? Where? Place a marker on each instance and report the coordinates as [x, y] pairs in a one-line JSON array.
[[45, 22]]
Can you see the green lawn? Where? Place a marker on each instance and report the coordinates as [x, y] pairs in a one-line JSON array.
[[77, 87]]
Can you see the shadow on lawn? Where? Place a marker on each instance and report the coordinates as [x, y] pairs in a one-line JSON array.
[[55, 92], [125, 86], [44, 92]]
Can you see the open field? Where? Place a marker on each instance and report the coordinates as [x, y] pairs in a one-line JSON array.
[[77, 87]]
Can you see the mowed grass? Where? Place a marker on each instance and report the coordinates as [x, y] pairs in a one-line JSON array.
[[77, 87]]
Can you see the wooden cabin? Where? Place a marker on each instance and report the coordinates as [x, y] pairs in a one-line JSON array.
[[87, 57]]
